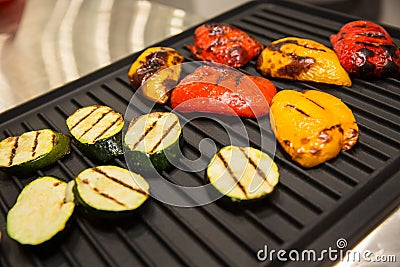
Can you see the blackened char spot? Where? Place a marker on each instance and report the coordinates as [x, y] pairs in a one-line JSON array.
[[365, 67], [277, 46], [239, 54], [390, 69], [296, 66]]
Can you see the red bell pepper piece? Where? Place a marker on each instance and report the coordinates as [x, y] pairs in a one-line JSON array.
[[223, 91], [224, 44], [366, 49]]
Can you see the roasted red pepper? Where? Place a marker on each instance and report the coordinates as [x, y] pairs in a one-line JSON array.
[[223, 91], [366, 49], [224, 44]]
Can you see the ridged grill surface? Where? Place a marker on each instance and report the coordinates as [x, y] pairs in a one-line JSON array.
[[304, 205]]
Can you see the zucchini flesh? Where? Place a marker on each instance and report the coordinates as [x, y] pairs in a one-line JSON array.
[[153, 140], [41, 211], [242, 173], [33, 150], [110, 189], [98, 131]]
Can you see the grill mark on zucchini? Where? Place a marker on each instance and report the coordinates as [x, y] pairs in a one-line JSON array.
[[107, 128], [232, 174], [146, 132], [94, 124], [35, 143], [138, 190], [84, 117], [108, 197], [163, 136], [13, 150], [260, 172]]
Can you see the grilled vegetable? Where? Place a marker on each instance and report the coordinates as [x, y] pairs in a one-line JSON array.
[[110, 190], [366, 49], [312, 126], [302, 59], [223, 91], [224, 44], [242, 173], [32, 150], [97, 131], [163, 61], [153, 141], [41, 211]]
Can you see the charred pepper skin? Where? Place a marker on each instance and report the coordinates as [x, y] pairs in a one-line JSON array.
[[366, 49], [224, 44]]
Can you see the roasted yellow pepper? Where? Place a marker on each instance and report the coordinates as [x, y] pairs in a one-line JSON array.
[[302, 59], [156, 60], [312, 126]]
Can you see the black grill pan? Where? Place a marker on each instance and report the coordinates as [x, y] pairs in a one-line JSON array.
[[310, 209]]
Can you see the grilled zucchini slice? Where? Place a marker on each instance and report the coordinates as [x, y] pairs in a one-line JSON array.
[[153, 141], [110, 190], [41, 211], [242, 173], [97, 131], [32, 150]]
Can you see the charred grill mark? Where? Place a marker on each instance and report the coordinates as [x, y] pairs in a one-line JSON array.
[[238, 79], [84, 117], [297, 109], [54, 140], [377, 35], [118, 120], [138, 190], [96, 122], [296, 66], [35, 143], [232, 174], [278, 46], [260, 172], [165, 134], [57, 184], [108, 196], [146, 131], [287, 143], [13, 150], [315, 103]]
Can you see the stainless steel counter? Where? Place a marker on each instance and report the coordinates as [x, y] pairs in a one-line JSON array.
[[45, 44]]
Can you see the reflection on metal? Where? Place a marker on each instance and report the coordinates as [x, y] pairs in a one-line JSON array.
[[60, 41], [138, 26]]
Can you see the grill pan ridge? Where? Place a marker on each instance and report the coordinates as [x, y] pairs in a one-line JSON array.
[[343, 198]]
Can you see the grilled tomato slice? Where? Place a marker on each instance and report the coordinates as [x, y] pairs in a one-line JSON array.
[[224, 44], [366, 49], [312, 126], [156, 60], [302, 59]]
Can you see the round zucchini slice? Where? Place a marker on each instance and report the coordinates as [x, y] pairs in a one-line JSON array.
[[97, 131], [32, 150], [242, 173], [110, 190], [153, 141], [41, 211]]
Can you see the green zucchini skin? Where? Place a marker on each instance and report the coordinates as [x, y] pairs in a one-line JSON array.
[[103, 150], [50, 225], [147, 162], [88, 207], [60, 149], [106, 124], [230, 169]]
